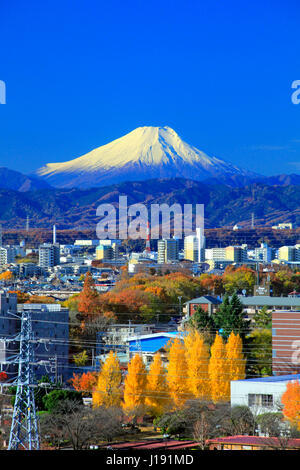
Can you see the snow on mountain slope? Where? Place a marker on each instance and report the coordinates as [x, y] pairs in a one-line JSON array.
[[145, 153]]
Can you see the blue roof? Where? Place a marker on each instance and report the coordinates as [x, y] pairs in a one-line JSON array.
[[151, 343], [273, 378]]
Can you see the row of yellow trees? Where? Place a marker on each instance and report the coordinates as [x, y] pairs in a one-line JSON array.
[[193, 371]]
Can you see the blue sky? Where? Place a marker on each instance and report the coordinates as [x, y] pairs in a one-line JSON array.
[[79, 74]]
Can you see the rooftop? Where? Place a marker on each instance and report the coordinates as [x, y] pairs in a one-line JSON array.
[[273, 378], [205, 299], [257, 441], [269, 301]]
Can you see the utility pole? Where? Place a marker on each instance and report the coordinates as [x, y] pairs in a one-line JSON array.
[[180, 312], [24, 428]]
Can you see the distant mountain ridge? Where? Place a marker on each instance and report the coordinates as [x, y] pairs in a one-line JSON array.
[[143, 154], [224, 206], [11, 179]]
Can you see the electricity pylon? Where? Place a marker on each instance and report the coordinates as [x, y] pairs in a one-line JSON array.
[[24, 428]]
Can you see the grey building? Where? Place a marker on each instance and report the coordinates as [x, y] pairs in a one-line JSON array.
[[168, 250], [50, 326], [49, 255], [9, 327]]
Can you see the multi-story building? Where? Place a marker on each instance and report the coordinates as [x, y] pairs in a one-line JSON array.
[[50, 326], [104, 252], [168, 250], [194, 247], [285, 342], [264, 253], [9, 327], [289, 253], [191, 250], [215, 254], [108, 250], [237, 254], [49, 255], [7, 255]]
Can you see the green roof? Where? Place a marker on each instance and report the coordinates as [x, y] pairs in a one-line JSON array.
[[265, 300], [205, 299]]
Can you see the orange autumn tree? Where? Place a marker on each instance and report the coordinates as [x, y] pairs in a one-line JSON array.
[[236, 362], [291, 403], [218, 371], [197, 358], [157, 387], [177, 374], [22, 297], [6, 276], [107, 391], [135, 386], [84, 383], [88, 299]]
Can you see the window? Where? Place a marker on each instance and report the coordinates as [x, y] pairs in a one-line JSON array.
[[253, 399], [267, 400], [260, 400]]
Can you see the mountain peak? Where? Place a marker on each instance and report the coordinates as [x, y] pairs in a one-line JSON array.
[[144, 153]]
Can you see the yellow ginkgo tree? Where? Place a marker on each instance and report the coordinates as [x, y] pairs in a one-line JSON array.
[[197, 358], [236, 363], [157, 394], [218, 371], [135, 385], [107, 391], [177, 374]]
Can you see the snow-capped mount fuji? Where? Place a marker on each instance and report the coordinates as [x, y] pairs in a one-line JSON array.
[[143, 154]]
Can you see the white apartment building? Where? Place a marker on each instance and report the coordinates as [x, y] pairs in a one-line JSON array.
[[7, 255]]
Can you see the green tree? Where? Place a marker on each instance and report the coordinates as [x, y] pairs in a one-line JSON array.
[[202, 321], [259, 355], [263, 318], [231, 317], [80, 359], [53, 399]]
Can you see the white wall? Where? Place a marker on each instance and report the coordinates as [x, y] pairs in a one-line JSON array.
[[240, 389]]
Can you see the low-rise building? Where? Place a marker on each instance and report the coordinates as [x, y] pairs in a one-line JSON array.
[[262, 394], [149, 345], [252, 443], [253, 304], [207, 302]]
